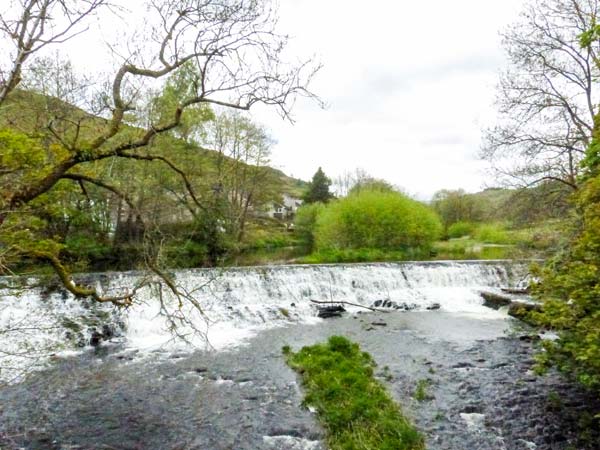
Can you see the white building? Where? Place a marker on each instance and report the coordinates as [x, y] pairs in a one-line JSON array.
[[286, 209]]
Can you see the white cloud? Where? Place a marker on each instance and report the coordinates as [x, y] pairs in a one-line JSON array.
[[409, 85]]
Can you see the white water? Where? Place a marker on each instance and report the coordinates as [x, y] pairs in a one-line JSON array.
[[236, 304]]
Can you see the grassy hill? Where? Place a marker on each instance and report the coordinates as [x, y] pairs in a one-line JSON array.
[[34, 114], [94, 224]]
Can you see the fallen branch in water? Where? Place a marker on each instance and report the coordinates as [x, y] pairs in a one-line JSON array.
[[350, 304]]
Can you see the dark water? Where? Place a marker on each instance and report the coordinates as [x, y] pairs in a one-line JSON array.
[[481, 393]]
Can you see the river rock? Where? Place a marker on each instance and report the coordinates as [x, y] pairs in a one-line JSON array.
[[407, 306], [326, 312], [95, 338], [493, 300], [385, 304]]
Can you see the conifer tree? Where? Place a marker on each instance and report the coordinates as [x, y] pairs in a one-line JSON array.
[[318, 190]]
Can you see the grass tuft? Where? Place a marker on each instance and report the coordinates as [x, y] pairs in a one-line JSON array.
[[352, 405], [421, 393]]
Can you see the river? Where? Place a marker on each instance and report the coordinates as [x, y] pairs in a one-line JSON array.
[[225, 384]]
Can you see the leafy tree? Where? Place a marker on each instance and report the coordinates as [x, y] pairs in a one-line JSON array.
[[237, 62], [570, 288], [242, 174], [460, 229], [570, 283], [318, 189], [194, 118], [455, 206]]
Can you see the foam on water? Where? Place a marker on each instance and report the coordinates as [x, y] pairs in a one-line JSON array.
[[235, 304], [290, 443]]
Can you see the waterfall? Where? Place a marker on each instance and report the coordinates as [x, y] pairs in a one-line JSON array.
[[232, 305]]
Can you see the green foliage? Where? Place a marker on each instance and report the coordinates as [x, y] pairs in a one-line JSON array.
[[371, 184], [272, 241], [493, 234], [376, 220], [19, 152], [24, 160], [456, 206], [353, 406], [463, 249], [338, 255], [87, 225], [189, 253], [421, 393], [306, 223], [86, 248], [570, 288], [461, 229], [588, 37], [318, 189], [181, 86]]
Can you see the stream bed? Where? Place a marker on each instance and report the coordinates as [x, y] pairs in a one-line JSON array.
[[78, 375], [481, 392]]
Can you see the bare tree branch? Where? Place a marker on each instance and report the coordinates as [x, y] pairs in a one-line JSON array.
[[546, 98], [36, 27]]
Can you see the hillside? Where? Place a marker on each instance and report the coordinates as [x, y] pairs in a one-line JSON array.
[[33, 113], [190, 204], [546, 201]]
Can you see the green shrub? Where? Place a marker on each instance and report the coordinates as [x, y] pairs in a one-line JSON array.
[[88, 248], [305, 223], [492, 234], [461, 229], [570, 288], [376, 220], [276, 240]]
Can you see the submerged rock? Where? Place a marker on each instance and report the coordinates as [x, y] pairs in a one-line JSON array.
[[96, 337]]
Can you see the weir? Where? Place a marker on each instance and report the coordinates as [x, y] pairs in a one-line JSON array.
[[230, 305]]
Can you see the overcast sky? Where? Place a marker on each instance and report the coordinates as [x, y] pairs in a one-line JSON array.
[[409, 87]]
